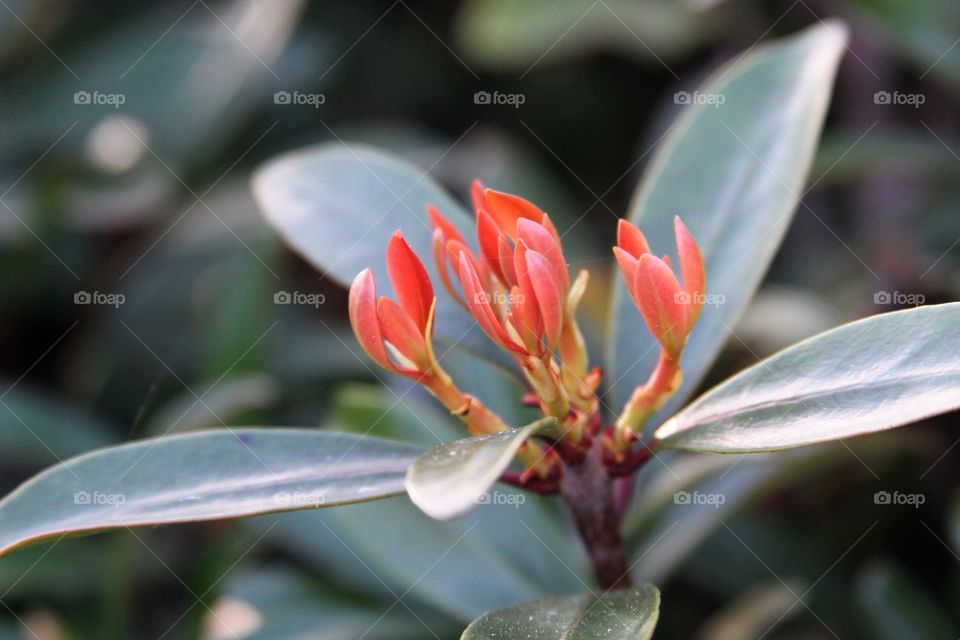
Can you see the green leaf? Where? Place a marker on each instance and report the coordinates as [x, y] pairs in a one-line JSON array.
[[748, 159], [874, 374], [630, 614], [451, 479], [207, 475], [337, 207]]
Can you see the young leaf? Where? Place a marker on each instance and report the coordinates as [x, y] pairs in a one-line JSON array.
[[747, 140], [874, 374], [630, 614], [207, 475], [449, 480]]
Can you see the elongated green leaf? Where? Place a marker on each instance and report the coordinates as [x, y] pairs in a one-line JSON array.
[[201, 476], [746, 142], [630, 614], [451, 479], [337, 207], [874, 374]]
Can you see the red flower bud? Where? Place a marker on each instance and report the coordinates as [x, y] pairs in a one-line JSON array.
[[657, 294], [405, 327], [507, 209], [410, 281], [478, 303], [669, 310], [691, 269]]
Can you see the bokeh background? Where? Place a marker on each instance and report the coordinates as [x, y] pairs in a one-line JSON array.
[[141, 294]]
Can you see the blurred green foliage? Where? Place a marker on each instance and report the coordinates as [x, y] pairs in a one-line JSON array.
[[150, 200]]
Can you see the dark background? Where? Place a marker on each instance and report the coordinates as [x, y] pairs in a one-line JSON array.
[[150, 201]]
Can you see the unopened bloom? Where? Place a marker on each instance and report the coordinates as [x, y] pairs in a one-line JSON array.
[[517, 288], [669, 308], [399, 337], [406, 327]]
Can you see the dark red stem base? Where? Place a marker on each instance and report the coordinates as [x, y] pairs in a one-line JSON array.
[[587, 491]]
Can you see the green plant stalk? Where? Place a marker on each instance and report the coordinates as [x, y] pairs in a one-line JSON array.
[[587, 490]]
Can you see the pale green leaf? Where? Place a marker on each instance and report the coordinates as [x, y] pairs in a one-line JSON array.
[[207, 475], [733, 167], [630, 614], [451, 479], [878, 373]]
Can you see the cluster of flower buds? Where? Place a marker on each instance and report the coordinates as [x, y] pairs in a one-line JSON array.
[[518, 289], [670, 309]]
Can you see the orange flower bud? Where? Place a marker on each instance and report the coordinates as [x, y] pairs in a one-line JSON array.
[[657, 294], [692, 271], [669, 310], [410, 281]]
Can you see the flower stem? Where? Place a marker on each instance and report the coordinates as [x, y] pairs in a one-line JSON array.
[[646, 399], [587, 491]]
